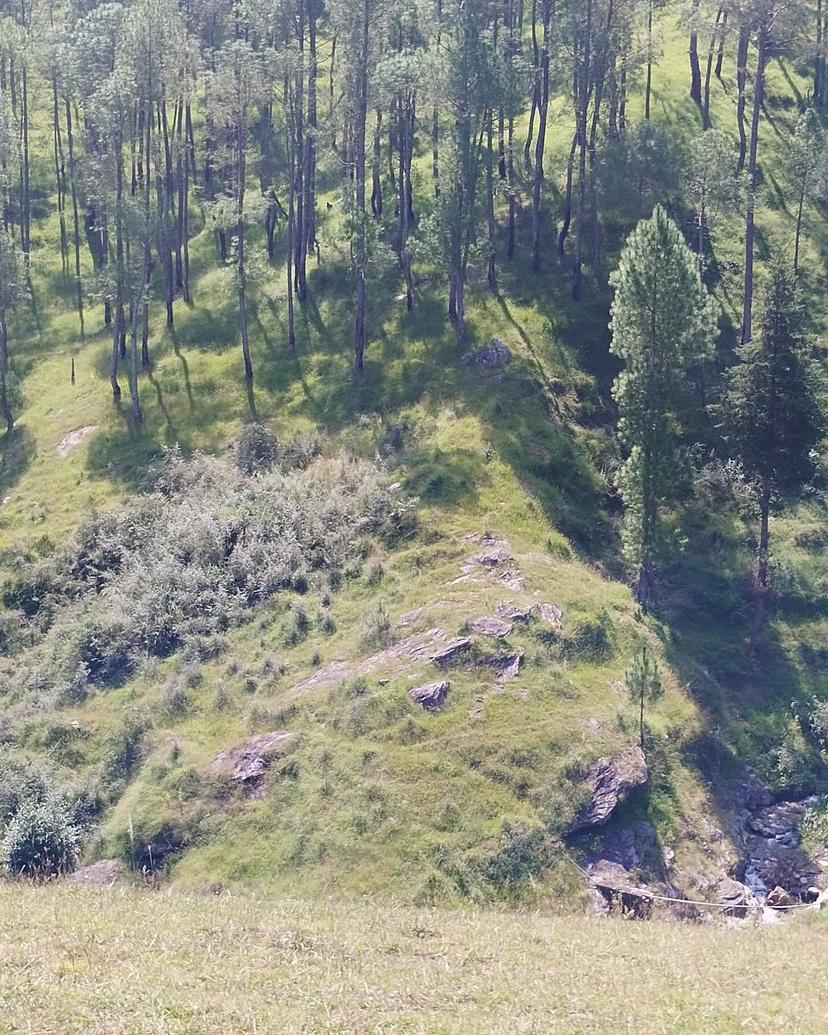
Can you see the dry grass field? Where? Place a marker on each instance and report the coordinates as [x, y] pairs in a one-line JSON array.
[[124, 961]]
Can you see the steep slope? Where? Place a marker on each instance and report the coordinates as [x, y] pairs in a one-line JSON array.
[[371, 792]]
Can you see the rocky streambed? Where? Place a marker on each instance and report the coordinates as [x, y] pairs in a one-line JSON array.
[[628, 870]]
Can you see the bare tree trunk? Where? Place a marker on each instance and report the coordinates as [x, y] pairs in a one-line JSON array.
[[70, 147], [543, 111], [693, 51], [5, 407], [758, 97], [760, 589], [360, 243], [741, 83], [648, 88], [709, 71]]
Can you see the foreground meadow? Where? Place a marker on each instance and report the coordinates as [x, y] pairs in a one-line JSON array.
[[128, 962]]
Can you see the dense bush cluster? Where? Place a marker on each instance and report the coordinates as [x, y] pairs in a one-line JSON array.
[[41, 828], [188, 560]]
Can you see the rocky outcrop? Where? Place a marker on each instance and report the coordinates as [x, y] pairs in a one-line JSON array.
[[452, 650], [610, 782], [430, 695], [487, 626], [513, 612], [102, 874], [248, 762]]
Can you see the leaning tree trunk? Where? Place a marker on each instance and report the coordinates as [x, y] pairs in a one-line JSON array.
[[693, 50], [360, 243], [741, 83]]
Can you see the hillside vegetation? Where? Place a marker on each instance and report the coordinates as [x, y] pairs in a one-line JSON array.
[[232, 557]]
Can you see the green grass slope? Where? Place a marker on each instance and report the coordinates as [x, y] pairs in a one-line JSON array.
[[378, 795]]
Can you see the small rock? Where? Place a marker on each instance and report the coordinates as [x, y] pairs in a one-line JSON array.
[[551, 614], [495, 355], [495, 627], [779, 897], [491, 558], [430, 695], [507, 665], [736, 897], [101, 874], [410, 617], [451, 650], [610, 780], [511, 579], [513, 612]]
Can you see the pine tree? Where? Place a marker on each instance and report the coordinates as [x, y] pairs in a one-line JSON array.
[[772, 416], [663, 322], [643, 684]]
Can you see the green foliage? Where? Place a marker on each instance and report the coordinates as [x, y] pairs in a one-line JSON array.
[[663, 323], [41, 839], [770, 409], [255, 450], [643, 681]]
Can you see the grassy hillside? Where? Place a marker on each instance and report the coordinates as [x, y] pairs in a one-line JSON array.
[[378, 795], [145, 963]]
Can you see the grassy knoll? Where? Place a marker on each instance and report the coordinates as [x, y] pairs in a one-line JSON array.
[[141, 962]]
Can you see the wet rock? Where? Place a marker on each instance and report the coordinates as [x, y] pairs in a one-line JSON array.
[[610, 782], [551, 614], [250, 761], [779, 822], [451, 650], [101, 874], [771, 864], [779, 897], [430, 695], [496, 354], [514, 612], [486, 626], [737, 898]]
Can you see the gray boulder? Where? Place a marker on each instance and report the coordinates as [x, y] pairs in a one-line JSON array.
[[430, 695]]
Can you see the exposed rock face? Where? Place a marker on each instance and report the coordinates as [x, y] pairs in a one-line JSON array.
[[451, 650], [409, 618], [610, 781], [101, 874], [633, 847], [430, 695], [495, 627], [496, 354], [251, 760], [618, 888], [551, 614], [511, 579]]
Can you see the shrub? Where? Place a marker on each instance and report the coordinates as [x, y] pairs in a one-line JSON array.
[[182, 564], [41, 839], [523, 854], [124, 752], [591, 637], [255, 450]]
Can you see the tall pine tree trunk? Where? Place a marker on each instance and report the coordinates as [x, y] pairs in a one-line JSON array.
[[750, 228]]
